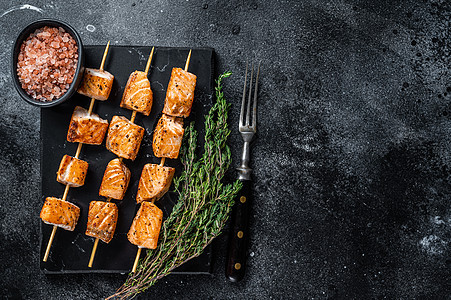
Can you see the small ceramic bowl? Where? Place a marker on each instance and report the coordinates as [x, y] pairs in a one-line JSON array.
[[24, 34]]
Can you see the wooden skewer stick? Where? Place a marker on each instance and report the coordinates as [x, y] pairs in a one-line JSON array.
[[66, 191], [188, 60], [149, 60], [135, 264], [93, 253], [78, 150], [77, 154], [102, 65], [91, 106], [93, 100], [138, 254], [132, 119], [47, 251]]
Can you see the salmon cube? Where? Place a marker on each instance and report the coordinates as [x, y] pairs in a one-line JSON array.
[[167, 137], [180, 93], [60, 213], [102, 220], [124, 137], [154, 182], [72, 171], [96, 84], [115, 180], [86, 128], [137, 94], [146, 226]]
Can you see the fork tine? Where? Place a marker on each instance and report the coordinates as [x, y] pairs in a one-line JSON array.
[[254, 109], [244, 99], [248, 112]]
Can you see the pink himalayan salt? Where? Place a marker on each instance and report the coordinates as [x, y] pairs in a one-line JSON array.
[[49, 52]]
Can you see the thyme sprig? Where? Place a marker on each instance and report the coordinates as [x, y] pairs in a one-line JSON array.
[[203, 205]]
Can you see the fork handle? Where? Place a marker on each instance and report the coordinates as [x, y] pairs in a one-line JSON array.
[[239, 234]]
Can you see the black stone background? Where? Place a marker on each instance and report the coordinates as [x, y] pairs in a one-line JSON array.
[[352, 162]]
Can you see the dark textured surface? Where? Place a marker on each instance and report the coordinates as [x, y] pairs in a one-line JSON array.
[[352, 164]]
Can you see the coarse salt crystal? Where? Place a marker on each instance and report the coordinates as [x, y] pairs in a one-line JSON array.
[[38, 61]]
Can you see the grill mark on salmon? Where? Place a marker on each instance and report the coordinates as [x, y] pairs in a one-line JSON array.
[[124, 137], [180, 93], [146, 226], [138, 95], [154, 182], [102, 220], [168, 136], [115, 180]]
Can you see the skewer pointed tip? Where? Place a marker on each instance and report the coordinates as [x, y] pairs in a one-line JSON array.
[[102, 64], [49, 244], [149, 60], [188, 60], [93, 253], [135, 264]]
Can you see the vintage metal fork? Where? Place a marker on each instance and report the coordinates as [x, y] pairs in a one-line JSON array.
[[239, 234]]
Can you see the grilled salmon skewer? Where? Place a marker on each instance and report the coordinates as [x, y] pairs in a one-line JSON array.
[[138, 95], [167, 139], [97, 84], [180, 93], [72, 171], [102, 216], [102, 219], [156, 179], [168, 133], [123, 139], [154, 183]]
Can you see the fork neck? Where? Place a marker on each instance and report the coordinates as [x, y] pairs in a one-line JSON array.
[[244, 172]]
